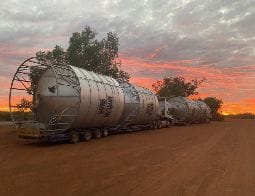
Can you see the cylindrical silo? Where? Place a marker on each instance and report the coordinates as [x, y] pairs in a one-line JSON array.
[[184, 110], [69, 98], [140, 105], [204, 111]]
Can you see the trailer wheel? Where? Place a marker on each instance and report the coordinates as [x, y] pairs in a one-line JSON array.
[[168, 123], [159, 124], [105, 132], [189, 122], [97, 133], [74, 137], [86, 135], [154, 125]]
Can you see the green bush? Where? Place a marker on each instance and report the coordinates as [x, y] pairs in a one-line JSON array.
[[218, 117], [5, 116], [242, 116]]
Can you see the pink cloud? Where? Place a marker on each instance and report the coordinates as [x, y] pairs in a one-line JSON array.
[[232, 84]]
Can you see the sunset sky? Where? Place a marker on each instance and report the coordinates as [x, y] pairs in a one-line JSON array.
[[214, 39]]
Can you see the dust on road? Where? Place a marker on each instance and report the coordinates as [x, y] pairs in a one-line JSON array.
[[207, 159]]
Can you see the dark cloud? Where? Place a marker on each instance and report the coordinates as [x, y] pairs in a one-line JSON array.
[[214, 33], [211, 30]]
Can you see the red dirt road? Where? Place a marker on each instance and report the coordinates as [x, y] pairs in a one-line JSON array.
[[208, 159]]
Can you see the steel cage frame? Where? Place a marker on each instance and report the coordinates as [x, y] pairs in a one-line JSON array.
[[44, 64]]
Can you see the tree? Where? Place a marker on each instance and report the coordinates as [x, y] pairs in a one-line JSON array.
[[35, 74], [24, 110], [83, 50], [24, 105], [86, 52], [176, 86], [57, 53], [215, 105]]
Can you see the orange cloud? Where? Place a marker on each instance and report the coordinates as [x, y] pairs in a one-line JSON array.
[[243, 106], [235, 85], [142, 81]]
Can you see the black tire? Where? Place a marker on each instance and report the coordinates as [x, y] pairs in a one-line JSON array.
[[105, 132], [154, 125], [168, 123], [97, 133], [74, 137], [190, 123], [159, 124], [208, 121], [86, 135]]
